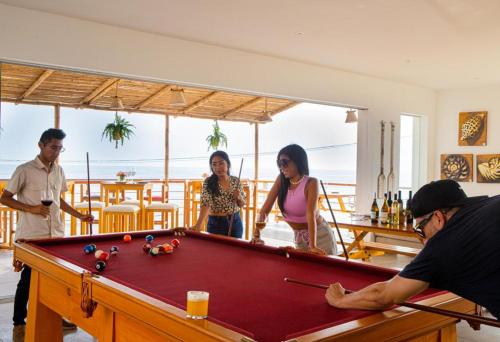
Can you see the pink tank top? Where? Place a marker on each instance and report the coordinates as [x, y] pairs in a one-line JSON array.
[[296, 203]]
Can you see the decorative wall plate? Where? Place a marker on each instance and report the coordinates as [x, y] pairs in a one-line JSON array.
[[458, 167], [472, 128], [488, 168]]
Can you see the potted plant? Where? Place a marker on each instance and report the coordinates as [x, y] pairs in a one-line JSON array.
[[217, 138], [118, 130], [121, 176]]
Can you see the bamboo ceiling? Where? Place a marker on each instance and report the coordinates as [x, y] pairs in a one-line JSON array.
[[33, 85]]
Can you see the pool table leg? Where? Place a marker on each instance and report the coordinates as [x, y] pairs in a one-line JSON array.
[[43, 324]]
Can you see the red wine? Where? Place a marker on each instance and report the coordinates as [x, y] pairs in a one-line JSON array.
[[47, 203]]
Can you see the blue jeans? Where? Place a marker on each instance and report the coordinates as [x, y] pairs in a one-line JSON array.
[[220, 225]]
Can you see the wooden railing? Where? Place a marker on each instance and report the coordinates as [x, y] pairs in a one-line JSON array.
[[180, 192]]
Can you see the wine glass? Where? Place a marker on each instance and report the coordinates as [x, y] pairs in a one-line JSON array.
[[132, 174], [261, 224], [47, 198]]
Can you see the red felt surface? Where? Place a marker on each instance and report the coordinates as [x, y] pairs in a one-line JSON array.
[[245, 282]]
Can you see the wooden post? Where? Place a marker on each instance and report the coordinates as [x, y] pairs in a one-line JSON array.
[[57, 116], [256, 175], [167, 138]]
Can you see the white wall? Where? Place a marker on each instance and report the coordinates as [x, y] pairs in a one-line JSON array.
[[41, 38], [449, 104]]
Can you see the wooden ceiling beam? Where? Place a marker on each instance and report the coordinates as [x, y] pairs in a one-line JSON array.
[[99, 91], [240, 107], [153, 97], [35, 84], [282, 109], [201, 101]]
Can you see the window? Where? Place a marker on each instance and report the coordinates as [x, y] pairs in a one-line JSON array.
[[411, 154]]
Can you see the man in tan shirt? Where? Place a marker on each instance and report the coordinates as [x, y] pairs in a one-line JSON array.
[[30, 183]]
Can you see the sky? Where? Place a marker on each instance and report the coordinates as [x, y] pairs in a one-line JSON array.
[[320, 129]]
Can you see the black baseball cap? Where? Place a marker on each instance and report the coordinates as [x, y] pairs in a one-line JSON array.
[[440, 194]]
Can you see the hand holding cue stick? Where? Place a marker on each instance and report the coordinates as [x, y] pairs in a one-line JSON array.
[[88, 192], [469, 318], [232, 215], [335, 221]]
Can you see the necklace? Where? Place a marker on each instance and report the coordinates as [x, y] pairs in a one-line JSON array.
[[297, 182]]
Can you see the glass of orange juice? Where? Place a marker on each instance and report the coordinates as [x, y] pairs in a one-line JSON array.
[[197, 304]]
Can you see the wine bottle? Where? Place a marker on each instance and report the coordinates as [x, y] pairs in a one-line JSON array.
[[409, 214], [384, 212], [401, 209], [374, 210], [395, 210], [389, 203]]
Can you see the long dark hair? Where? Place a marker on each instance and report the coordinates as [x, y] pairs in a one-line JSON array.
[[299, 157], [213, 180]]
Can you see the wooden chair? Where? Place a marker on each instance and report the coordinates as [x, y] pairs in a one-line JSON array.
[[119, 218], [83, 208], [166, 210], [8, 219]]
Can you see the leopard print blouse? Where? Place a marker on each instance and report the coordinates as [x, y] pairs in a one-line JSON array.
[[224, 203]]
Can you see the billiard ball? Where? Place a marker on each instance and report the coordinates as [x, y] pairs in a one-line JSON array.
[[161, 249], [149, 238], [168, 248], [175, 242], [146, 248], [93, 246], [87, 249], [98, 253], [100, 265], [127, 238], [104, 256], [114, 250], [154, 251]]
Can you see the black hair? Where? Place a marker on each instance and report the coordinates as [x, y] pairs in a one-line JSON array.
[[213, 180], [299, 157], [52, 133]]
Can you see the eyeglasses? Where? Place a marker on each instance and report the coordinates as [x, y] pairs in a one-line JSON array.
[[59, 149], [419, 228], [55, 148], [283, 162]]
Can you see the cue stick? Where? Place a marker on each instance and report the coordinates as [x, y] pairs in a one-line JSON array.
[[469, 318], [335, 221], [232, 215], [88, 192]]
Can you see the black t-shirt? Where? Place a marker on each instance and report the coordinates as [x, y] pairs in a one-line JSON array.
[[464, 256]]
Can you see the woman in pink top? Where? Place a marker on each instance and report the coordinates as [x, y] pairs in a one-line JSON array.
[[297, 195]]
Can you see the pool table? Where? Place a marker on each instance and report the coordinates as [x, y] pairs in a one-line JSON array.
[[139, 297]]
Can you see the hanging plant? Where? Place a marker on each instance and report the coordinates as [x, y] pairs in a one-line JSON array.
[[118, 130], [217, 138]]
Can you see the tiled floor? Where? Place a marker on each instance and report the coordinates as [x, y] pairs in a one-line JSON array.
[[9, 279]]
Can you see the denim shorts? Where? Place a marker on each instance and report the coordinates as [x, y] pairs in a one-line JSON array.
[[220, 225]]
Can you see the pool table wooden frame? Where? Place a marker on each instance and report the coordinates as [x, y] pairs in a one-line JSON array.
[[123, 314]]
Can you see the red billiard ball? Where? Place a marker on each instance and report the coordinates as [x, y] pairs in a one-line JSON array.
[[168, 248], [104, 256], [175, 242], [146, 248], [127, 238]]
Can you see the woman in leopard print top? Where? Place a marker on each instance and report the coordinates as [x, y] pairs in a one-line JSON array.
[[221, 197]]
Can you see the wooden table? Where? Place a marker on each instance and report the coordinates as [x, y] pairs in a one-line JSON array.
[[361, 228], [120, 188]]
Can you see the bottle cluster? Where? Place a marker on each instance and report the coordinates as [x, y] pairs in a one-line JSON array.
[[393, 211]]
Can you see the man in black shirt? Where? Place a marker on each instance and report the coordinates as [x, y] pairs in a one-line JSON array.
[[461, 252]]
